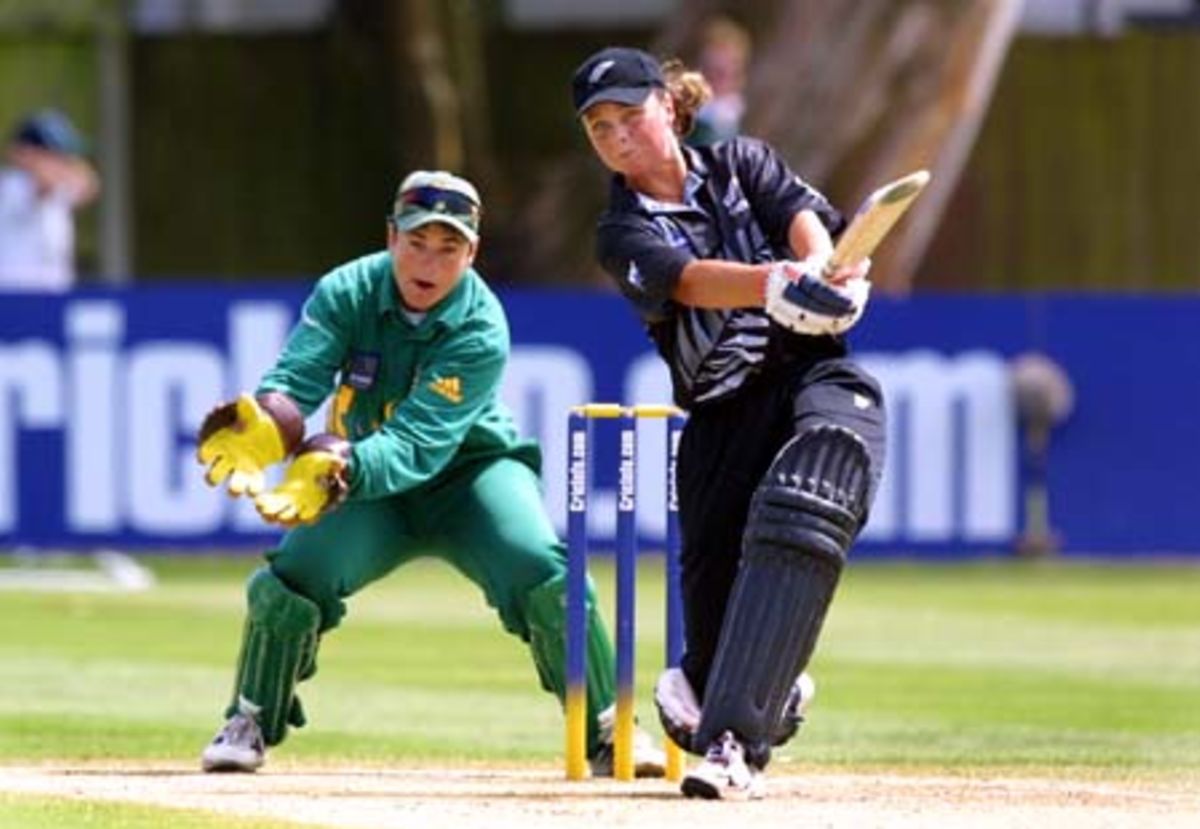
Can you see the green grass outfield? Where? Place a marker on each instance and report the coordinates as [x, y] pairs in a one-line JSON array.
[[1041, 667]]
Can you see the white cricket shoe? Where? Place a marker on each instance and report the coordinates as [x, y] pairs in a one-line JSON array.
[[795, 709], [724, 774], [648, 759], [238, 746], [680, 713]]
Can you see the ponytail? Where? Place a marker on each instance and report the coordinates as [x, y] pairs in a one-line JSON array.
[[688, 90]]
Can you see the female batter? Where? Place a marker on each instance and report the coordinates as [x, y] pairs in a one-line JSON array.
[[721, 249]]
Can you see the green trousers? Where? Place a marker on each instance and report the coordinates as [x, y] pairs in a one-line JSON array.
[[487, 520]]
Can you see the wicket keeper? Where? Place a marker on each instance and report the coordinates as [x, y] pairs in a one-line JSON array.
[[420, 458]]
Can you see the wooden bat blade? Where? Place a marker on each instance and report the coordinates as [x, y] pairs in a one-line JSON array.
[[875, 217]]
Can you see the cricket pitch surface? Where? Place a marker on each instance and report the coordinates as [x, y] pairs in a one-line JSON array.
[[477, 797]]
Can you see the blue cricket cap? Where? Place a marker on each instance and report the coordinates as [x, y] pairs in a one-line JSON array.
[[618, 74], [50, 130]]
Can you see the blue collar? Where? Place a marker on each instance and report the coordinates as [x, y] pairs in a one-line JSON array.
[[691, 186]]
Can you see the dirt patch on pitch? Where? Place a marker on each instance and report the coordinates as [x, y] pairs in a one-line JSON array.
[[478, 798]]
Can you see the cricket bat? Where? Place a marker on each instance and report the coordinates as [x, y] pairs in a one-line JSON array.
[[875, 217]]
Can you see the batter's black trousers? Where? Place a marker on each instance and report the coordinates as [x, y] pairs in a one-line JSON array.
[[725, 451]]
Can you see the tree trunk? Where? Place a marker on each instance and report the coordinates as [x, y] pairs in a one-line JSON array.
[[857, 94], [435, 50]]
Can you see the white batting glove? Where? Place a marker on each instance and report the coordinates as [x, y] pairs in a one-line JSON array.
[[801, 300]]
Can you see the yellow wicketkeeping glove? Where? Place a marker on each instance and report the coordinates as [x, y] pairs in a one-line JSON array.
[[314, 483], [240, 439]]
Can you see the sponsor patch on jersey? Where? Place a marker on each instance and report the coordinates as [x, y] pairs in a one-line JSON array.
[[448, 387], [362, 371]]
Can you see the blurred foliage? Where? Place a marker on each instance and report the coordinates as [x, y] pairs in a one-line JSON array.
[[277, 154], [59, 16], [219, 192], [268, 155], [553, 188], [1084, 173]]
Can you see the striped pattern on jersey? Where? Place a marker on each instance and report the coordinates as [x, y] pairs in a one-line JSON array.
[[716, 350]]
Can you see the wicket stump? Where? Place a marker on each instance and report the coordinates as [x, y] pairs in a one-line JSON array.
[[579, 479]]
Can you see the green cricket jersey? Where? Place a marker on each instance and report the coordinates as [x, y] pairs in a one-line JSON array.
[[436, 470], [416, 399]]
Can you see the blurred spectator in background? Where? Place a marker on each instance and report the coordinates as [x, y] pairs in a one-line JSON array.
[[723, 58], [43, 180]]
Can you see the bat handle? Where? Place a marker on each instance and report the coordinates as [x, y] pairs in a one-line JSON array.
[[831, 267]]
